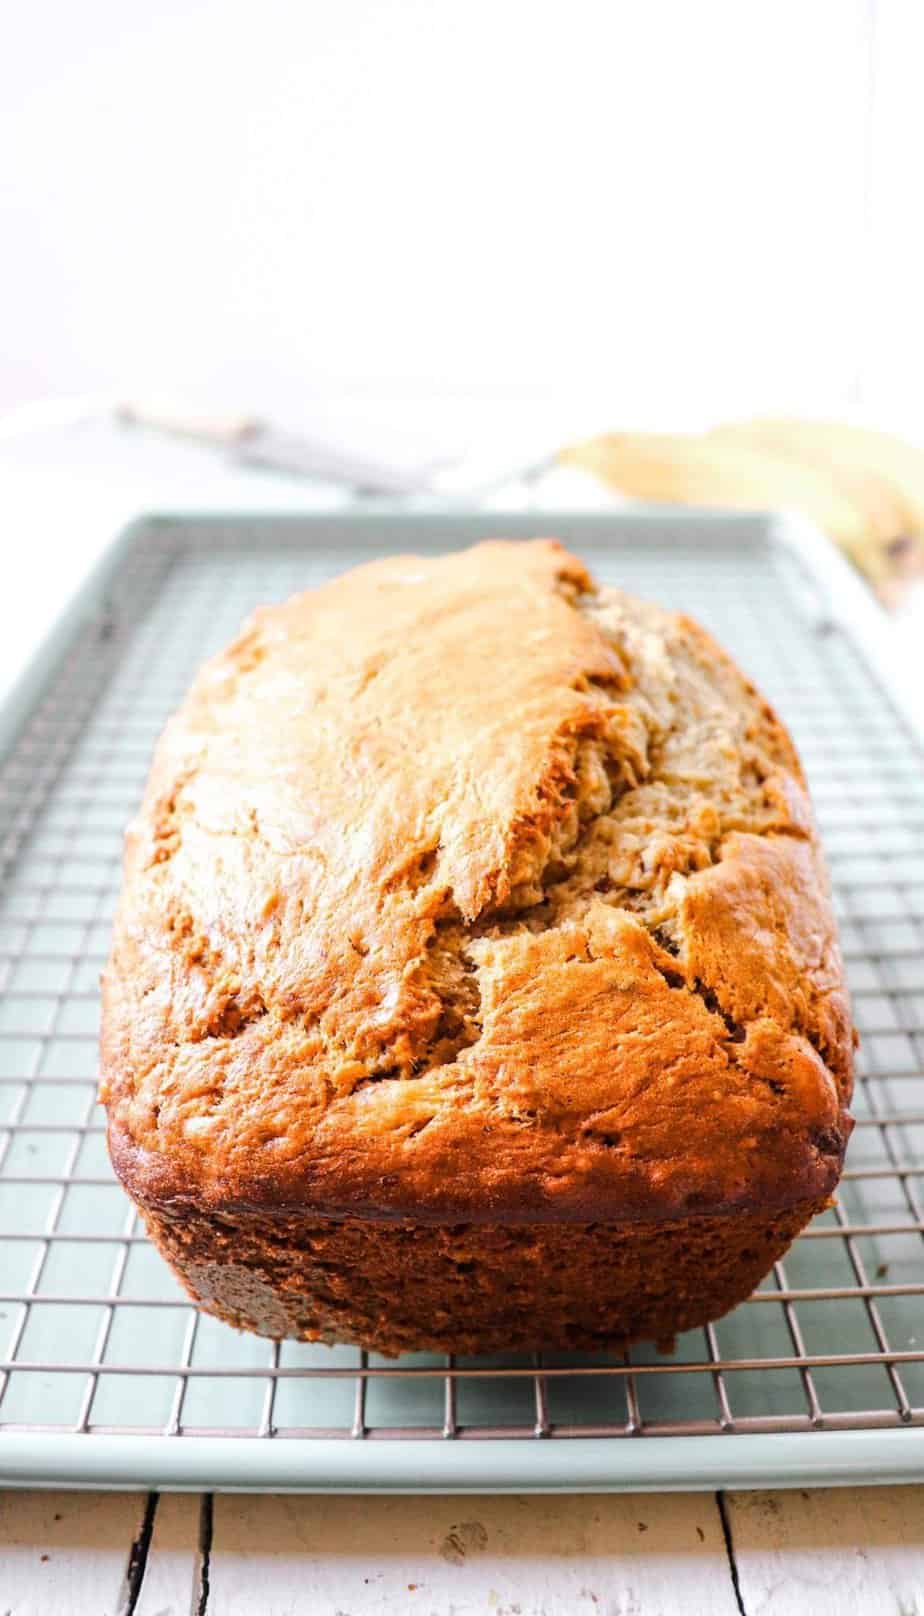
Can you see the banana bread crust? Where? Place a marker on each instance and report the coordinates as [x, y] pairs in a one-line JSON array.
[[471, 1288], [465, 892]]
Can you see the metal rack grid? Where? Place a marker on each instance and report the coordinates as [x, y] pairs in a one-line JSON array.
[[95, 1336]]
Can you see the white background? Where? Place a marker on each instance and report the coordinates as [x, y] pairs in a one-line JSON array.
[[645, 211]]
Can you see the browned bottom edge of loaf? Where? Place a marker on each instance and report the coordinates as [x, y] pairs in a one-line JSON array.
[[472, 1288]]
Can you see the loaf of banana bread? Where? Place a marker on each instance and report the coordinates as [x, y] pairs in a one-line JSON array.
[[474, 982]]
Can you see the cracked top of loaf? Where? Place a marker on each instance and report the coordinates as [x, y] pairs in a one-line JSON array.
[[463, 889]]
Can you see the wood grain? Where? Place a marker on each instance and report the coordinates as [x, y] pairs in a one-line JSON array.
[[645, 1555], [170, 1572], [833, 1551], [66, 1553]]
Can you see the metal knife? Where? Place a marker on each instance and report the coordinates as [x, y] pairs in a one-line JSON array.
[[253, 442]]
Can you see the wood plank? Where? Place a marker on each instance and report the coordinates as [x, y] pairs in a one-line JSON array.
[[170, 1571], [562, 1555], [66, 1552], [832, 1551]]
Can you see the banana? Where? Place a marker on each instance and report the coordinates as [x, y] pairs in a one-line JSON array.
[[713, 470]]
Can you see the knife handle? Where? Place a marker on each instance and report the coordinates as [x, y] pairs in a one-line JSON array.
[[225, 431]]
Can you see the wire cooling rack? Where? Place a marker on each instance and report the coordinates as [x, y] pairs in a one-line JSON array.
[[95, 1335]]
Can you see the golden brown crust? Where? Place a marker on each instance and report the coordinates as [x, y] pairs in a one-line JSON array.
[[463, 891]]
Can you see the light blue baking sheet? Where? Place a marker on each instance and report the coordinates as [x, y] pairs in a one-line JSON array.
[[110, 1378]]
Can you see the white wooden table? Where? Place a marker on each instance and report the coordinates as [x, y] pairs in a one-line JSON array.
[[851, 1552], [827, 1553]]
